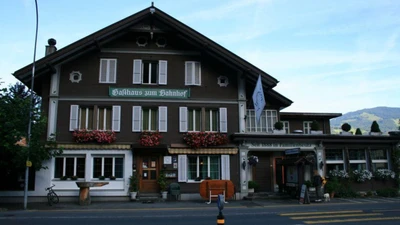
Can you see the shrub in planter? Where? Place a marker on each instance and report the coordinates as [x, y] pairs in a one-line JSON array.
[[102, 177], [254, 185], [74, 177], [358, 131], [387, 192], [314, 125], [346, 127], [113, 178], [375, 127], [64, 178], [278, 125]]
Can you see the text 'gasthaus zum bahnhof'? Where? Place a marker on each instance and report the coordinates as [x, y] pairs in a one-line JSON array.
[[149, 93]]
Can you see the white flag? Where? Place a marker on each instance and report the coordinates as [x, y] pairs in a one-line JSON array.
[[258, 99]]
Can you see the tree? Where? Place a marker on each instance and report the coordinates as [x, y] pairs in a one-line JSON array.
[[14, 120]]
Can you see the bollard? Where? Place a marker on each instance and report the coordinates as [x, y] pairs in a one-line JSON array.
[[220, 219]]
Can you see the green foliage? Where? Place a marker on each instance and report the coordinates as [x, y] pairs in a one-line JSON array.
[[358, 131], [14, 121], [278, 125], [314, 125], [388, 192], [253, 184], [375, 127], [346, 127], [134, 183], [332, 185], [162, 181], [308, 183]]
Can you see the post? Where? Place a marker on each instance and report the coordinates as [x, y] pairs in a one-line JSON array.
[[220, 204]]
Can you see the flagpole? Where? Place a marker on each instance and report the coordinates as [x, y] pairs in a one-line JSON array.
[[28, 163]]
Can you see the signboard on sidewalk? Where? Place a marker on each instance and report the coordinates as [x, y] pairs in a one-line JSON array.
[[304, 198]]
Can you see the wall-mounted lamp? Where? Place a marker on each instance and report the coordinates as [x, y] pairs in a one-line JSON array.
[[321, 165], [244, 165]]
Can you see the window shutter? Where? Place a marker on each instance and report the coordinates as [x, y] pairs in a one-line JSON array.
[[73, 117], [136, 118], [137, 71], [112, 70], [183, 126], [197, 73], [116, 118], [103, 71], [162, 72], [223, 120], [225, 167], [162, 119], [188, 73], [182, 168]]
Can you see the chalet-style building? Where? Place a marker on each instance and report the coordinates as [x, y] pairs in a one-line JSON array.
[[149, 94]]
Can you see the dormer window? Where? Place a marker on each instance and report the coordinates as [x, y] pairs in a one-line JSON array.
[[108, 70], [149, 72], [192, 73]]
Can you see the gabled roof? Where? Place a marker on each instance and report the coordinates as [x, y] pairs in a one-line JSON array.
[[45, 65]]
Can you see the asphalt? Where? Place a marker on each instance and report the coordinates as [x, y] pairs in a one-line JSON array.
[[136, 205]]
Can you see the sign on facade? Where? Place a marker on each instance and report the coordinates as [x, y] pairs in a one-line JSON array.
[[149, 93]]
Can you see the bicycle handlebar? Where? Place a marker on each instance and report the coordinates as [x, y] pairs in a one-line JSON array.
[[48, 188]]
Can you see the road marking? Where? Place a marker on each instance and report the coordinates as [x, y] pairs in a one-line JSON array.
[[335, 216], [351, 220], [319, 213]]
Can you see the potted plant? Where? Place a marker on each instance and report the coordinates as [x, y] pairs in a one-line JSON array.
[[112, 178], [74, 177], [315, 127], [375, 130], [332, 186], [64, 178], [162, 182], [133, 186], [358, 131], [253, 160], [346, 129], [102, 177], [253, 186], [278, 128]]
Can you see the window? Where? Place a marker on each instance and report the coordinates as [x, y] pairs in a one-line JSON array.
[[69, 166], [266, 124], [95, 117], [286, 127], [202, 167], [198, 167], [307, 127], [108, 166], [357, 159], [379, 159], [108, 70], [202, 119], [150, 119], [192, 73], [334, 159], [149, 72]]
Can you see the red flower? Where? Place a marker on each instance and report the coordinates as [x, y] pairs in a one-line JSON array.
[[100, 136], [204, 139], [150, 138]]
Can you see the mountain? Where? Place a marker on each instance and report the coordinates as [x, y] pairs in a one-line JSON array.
[[387, 118]]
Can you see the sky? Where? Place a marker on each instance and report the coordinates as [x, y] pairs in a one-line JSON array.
[[328, 56]]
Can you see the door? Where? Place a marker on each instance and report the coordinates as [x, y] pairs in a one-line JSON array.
[[149, 167]]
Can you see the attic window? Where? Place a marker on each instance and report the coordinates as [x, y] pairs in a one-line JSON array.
[[223, 81], [161, 42], [75, 76], [141, 41]]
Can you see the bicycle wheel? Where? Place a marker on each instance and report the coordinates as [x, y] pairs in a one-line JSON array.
[[52, 198]]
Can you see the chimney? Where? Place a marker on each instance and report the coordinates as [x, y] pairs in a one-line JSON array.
[[51, 47]]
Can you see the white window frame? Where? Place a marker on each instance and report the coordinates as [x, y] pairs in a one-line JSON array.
[[375, 161], [195, 116], [208, 167], [193, 74], [307, 127], [267, 121], [75, 111], [161, 73], [110, 76], [358, 161], [161, 123], [224, 167], [286, 126], [335, 162], [113, 165], [64, 157]]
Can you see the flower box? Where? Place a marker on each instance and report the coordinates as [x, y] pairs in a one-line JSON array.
[[204, 139], [150, 138], [99, 136]]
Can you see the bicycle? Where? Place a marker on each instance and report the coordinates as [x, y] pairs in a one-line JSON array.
[[52, 197]]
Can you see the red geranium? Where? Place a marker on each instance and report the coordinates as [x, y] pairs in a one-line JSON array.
[[150, 138]]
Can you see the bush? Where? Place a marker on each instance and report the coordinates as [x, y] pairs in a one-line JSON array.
[[387, 192], [278, 125], [358, 131], [375, 127], [346, 127], [314, 125], [253, 184]]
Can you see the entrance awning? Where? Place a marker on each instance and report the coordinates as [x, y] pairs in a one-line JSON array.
[[208, 151], [94, 146], [296, 161]]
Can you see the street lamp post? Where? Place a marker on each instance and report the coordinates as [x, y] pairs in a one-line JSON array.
[[28, 163]]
